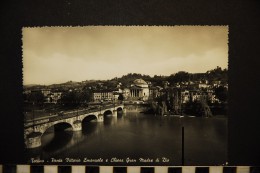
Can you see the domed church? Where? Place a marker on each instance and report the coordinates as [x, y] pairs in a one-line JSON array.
[[139, 90]]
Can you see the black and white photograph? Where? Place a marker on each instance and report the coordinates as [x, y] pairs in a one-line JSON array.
[[126, 95]]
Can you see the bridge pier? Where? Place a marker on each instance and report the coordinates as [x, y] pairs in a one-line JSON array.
[[124, 110], [77, 125], [100, 118], [115, 113], [33, 140]]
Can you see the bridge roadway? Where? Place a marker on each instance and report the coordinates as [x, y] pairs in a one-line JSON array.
[[33, 130]]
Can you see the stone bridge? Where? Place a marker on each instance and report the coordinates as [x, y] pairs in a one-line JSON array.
[[33, 131]]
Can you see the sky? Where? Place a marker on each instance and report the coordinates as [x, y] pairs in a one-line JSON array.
[[60, 54]]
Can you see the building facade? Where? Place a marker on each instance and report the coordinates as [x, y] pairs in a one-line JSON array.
[[139, 90], [103, 95]]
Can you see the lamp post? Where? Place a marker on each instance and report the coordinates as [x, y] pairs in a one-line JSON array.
[[182, 146], [33, 117], [114, 100], [182, 130], [100, 105]]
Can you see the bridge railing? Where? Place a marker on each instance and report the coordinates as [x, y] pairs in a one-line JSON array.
[[69, 114]]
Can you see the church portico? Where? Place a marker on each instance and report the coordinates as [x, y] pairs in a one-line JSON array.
[[136, 92], [139, 90]]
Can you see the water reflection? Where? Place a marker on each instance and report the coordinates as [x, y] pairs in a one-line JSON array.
[[137, 135], [119, 114], [89, 127], [57, 141], [56, 137], [108, 119]]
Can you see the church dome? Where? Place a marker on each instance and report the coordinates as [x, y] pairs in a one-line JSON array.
[[140, 83]]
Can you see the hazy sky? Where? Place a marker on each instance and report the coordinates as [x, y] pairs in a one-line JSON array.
[[59, 54]]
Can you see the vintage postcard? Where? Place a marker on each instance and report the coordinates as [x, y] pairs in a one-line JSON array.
[[125, 95]]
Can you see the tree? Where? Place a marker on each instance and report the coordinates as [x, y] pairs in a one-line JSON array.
[[194, 108], [121, 97], [221, 93], [36, 97], [69, 99], [217, 74], [111, 84], [84, 96], [157, 80], [181, 76]]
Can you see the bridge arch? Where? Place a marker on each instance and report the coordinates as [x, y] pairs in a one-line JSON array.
[[108, 112], [34, 139], [57, 137], [119, 109], [34, 133], [89, 124], [89, 118], [59, 126]]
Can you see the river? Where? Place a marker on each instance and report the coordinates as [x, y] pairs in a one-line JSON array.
[[142, 138]]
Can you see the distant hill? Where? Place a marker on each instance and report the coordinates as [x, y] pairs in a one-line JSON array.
[[30, 85], [33, 86], [216, 74]]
